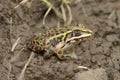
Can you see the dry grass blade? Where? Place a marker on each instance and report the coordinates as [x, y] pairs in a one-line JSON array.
[[66, 2], [58, 23], [16, 56], [112, 14], [70, 15], [51, 6], [10, 67], [44, 18], [21, 3], [63, 12], [57, 13], [23, 70], [15, 44], [12, 60], [47, 2]]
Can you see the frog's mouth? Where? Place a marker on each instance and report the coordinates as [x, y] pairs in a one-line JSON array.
[[79, 37]]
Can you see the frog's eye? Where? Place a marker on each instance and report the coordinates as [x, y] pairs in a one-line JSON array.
[[76, 32]]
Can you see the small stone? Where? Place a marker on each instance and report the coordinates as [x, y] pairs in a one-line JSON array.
[[97, 74]]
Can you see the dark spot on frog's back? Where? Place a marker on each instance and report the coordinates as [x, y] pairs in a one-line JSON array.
[[54, 42]]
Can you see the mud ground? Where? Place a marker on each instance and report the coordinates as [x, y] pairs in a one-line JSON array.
[[103, 51]]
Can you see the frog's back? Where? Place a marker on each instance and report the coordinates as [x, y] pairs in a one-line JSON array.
[[55, 31]]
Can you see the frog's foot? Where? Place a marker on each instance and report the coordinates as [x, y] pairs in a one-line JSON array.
[[47, 54], [61, 56], [72, 56]]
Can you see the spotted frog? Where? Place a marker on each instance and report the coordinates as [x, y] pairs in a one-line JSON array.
[[60, 41]]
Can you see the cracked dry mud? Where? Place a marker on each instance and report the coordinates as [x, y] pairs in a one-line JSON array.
[[103, 51]]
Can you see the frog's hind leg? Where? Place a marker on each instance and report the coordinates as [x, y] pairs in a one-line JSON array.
[[59, 52]]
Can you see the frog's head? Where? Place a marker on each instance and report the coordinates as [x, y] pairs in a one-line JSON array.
[[79, 33]]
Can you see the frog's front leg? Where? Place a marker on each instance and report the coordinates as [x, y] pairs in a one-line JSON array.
[[59, 51], [72, 53], [64, 51], [60, 55]]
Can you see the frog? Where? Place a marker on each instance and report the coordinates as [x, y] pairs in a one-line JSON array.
[[60, 41]]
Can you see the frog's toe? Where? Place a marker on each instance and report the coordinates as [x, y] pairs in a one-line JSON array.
[[72, 56]]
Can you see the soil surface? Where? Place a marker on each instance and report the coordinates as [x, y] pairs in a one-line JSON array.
[[103, 51]]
